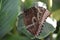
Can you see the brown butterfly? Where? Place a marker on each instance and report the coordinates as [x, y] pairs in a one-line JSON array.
[[34, 18]]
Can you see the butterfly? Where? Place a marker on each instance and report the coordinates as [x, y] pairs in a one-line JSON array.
[[34, 19]]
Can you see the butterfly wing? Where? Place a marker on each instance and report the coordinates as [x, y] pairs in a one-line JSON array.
[[34, 19]]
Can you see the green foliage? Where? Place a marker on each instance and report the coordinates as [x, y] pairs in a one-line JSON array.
[[16, 37], [56, 14], [56, 5], [56, 9], [27, 4], [8, 15]]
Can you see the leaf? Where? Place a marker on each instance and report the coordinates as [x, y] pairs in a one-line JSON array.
[[8, 15], [56, 9], [56, 5], [16, 37], [46, 30], [56, 14], [28, 4]]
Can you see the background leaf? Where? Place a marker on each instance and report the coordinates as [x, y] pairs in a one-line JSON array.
[[16, 37], [56, 9], [8, 15], [27, 4]]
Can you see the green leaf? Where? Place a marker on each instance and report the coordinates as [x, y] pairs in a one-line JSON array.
[[56, 5], [56, 9], [28, 4], [8, 15], [46, 30], [16, 37], [56, 14]]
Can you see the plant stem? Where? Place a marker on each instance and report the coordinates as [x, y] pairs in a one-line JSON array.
[[15, 28], [49, 4], [51, 36], [50, 9]]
